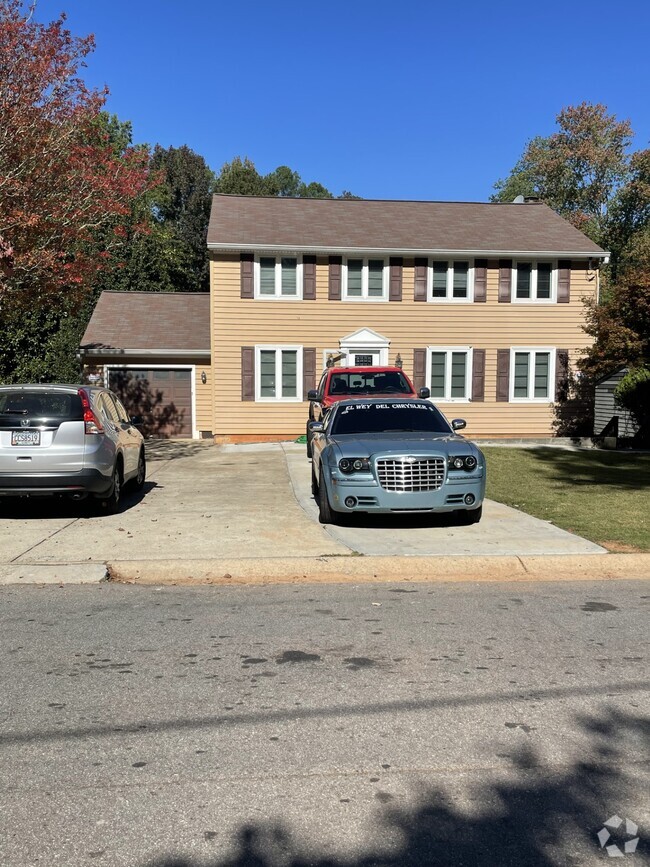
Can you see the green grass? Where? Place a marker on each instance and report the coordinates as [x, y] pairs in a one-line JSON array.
[[603, 496]]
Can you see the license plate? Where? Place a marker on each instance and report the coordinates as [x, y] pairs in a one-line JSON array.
[[25, 438]]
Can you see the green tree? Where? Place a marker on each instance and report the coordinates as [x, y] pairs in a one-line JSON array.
[[577, 170], [241, 178]]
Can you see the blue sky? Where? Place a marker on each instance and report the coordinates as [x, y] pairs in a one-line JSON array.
[[394, 100]]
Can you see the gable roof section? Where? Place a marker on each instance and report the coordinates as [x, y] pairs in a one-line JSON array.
[[330, 225], [142, 322]]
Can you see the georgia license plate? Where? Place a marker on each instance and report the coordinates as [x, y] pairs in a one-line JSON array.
[[25, 438]]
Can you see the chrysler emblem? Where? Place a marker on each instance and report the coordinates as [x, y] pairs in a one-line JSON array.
[[24, 422]]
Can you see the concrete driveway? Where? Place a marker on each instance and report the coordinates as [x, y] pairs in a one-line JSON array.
[[248, 501]]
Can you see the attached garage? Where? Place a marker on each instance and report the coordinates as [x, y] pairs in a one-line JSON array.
[[161, 395], [153, 350]]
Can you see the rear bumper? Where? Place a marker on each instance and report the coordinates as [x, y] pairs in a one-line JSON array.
[[87, 481]]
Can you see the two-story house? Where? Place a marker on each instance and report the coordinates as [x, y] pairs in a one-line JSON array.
[[483, 303]]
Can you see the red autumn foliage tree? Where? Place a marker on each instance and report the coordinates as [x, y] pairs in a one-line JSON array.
[[64, 189]]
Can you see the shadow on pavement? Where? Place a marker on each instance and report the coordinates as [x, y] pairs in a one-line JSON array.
[[167, 450], [541, 817], [52, 508]]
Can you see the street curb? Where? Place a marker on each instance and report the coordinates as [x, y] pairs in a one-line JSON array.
[[54, 573], [358, 569]]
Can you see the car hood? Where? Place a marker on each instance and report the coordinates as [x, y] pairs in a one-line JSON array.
[[362, 445]]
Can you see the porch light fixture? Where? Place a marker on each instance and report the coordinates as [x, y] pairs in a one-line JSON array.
[[398, 361], [204, 378]]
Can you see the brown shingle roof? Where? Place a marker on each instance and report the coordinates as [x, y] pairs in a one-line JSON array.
[[238, 222], [150, 320]]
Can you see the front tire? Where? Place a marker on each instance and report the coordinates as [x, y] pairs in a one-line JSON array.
[[309, 438], [470, 516], [325, 513]]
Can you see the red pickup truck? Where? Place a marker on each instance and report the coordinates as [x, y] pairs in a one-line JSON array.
[[343, 383]]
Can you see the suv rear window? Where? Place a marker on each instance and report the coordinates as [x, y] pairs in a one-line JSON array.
[[62, 406]]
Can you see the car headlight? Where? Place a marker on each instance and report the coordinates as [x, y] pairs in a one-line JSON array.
[[462, 462], [354, 465]]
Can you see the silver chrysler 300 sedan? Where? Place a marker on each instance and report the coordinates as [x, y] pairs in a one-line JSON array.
[[394, 456]]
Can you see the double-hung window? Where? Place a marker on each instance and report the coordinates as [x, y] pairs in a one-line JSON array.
[[449, 372], [278, 277], [278, 373], [532, 374], [365, 280], [451, 280], [534, 281]]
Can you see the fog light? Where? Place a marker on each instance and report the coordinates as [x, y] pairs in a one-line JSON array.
[[350, 502], [470, 499]]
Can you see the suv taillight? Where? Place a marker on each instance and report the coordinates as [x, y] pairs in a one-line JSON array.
[[92, 424]]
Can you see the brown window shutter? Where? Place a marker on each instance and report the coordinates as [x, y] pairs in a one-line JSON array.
[[561, 374], [505, 280], [420, 290], [395, 283], [480, 280], [309, 278], [334, 290], [246, 275], [563, 281], [248, 373], [419, 368], [503, 375], [308, 371], [478, 375]]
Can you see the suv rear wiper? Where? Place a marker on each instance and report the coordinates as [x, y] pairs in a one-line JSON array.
[[14, 412]]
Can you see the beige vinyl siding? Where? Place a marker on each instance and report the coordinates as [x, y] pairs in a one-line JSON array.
[[203, 397], [406, 324]]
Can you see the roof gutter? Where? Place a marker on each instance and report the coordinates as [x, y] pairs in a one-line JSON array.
[[400, 251], [145, 353]]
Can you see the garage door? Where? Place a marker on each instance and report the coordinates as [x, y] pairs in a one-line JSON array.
[[162, 396]]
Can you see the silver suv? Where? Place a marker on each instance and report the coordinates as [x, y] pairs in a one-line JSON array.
[[68, 440]]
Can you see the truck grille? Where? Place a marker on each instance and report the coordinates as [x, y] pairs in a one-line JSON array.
[[411, 474]]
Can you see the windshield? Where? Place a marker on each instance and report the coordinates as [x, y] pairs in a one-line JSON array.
[[369, 382], [361, 418]]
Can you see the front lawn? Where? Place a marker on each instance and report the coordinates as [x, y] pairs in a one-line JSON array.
[[603, 496]]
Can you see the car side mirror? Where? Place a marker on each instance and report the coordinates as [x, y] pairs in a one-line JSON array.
[[136, 420], [312, 394], [316, 427], [458, 423], [424, 393]]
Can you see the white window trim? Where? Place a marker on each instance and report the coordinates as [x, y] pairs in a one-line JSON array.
[[278, 349], [449, 298], [365, 298], [278, 278], [533, 282], [532, 350], [469, 366]]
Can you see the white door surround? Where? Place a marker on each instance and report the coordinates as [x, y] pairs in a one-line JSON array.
[[364, 348]]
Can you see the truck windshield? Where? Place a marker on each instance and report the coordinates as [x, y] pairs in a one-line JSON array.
[[360, 418], [369, 382]]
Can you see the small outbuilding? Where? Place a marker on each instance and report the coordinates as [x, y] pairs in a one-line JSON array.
[[612, 421]]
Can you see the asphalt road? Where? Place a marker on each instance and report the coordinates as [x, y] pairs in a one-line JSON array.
[[335, 726]]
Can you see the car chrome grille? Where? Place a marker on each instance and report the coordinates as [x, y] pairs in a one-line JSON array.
[[411, 474]]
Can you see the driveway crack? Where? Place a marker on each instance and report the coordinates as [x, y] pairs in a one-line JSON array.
[[42, 541]]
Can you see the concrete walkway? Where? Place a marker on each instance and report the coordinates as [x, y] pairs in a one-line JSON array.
[[238, 513]]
